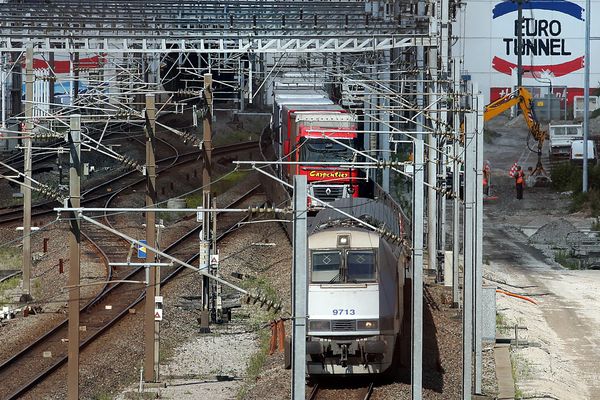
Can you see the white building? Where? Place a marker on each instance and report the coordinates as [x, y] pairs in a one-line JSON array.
[[553, 42]]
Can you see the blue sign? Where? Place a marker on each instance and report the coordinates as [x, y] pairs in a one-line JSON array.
[[142, 249]]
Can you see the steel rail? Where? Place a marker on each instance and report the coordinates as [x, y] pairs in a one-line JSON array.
[[369, 392], [314, 392]]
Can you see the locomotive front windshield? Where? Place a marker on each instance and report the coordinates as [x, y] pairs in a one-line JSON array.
[[349, 266], [360, 266], [319, 150], [326, 266]]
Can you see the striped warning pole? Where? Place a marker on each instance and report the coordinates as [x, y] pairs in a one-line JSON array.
[[513, 169]]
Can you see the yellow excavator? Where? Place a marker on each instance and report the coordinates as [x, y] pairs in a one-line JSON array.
[[524, 99]]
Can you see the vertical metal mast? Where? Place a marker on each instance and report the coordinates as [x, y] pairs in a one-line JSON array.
[[478, 249], [586, 96], [26, 188], [519, 43], [206, 197], [74, 259], [469, 196], [417, 278], [299, 289], [150, 325], [456, 165]]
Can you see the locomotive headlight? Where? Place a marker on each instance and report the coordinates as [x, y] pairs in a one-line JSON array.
[[367, 325], [319, 325]]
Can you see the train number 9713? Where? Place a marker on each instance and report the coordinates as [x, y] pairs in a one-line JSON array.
[[343, 311]]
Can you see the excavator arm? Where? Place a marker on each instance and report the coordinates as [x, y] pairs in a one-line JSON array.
[[523, 98]]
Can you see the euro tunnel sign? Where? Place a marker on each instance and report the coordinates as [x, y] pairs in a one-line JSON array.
[[142, 249]]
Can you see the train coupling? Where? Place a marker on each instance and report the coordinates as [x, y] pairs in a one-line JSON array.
[[344, 355]]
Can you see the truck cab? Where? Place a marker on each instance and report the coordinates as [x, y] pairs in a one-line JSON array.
[[316, 137], [561, 138]]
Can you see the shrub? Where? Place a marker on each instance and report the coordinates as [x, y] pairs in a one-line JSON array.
[[562, 257]]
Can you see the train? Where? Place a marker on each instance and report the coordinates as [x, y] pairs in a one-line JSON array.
[[356, 294], [356, 277]]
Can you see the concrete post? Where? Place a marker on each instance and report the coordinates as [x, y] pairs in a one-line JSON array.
[[478, 250], [299, 290], [152, 289], [29, 77], [456, 152], [586, 97], [3, 83], [469, 241], [432, 169], [417, 277], [74, 259], [206, 195], [384, 143]]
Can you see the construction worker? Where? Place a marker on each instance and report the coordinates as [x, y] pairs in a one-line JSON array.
[[530, 180], [487, 173], [519, 182]]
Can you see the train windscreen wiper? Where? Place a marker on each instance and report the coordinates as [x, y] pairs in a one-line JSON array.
[[337, 276]]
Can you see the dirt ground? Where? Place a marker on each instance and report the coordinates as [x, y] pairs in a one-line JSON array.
[[558, 360]]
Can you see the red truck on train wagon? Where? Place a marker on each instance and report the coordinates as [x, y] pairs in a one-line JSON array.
[[309, 128]]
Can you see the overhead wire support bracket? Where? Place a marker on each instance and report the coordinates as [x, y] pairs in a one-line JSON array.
[[161, 253]]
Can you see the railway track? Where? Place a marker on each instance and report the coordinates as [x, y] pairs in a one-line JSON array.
[[127, 179], [16, 161], [27, 368], [7, 274], [363, 392]]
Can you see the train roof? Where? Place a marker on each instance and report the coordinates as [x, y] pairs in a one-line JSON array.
[[327, 238], [367, 210]]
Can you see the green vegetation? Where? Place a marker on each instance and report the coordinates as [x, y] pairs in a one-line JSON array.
[[221, 186], [228, 181], [8, 285], [195, 200], [36, 288], [262, 285], [103, 396], [596, 225], [567, 177], [132, 396], [169, 217], [255, 364], [521, 369], [10, 258], [563, 258], [258, 320], [501, 323], [12, 201]]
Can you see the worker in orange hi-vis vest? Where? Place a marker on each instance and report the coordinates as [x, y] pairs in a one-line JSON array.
[[487, 174], [519, 182]]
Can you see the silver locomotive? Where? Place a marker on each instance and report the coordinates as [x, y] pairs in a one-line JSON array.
[[355, 301]]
